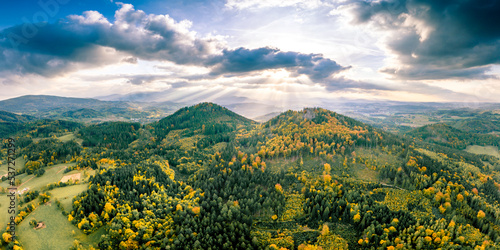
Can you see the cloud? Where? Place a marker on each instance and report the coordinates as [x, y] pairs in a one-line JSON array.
[[436, 39], [51, 49], [91, 40], [247, 60], [143, 79], [254, 4], [132, 60]]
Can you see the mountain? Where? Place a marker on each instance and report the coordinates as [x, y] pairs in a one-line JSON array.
[[325, 127], [208, 117], [87, 109], [479, 125], [31, 104], [446, 135]]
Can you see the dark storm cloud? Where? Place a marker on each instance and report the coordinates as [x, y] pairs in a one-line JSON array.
[[90, 40], [246, 60], [132, 60], [51, 49], [437, 39]]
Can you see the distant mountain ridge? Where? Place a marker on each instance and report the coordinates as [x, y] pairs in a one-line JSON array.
[[87, 109], [40, 103], [446, 135], [142, 108]]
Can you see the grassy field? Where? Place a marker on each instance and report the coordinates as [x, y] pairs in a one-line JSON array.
[[486, 150], [4, 168], [67, 137], [4, 216], [58, 233], [52, 174], [66, 194], [364, 173], [4, 200]]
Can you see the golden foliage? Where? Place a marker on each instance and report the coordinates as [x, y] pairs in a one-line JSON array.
[[480, 214], [196, 210]]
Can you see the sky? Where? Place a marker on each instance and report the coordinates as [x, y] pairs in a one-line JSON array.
[[280, 52]]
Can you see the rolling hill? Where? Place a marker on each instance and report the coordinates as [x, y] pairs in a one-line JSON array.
[[479, 125], [86, 109], [446, 135], [11, 123], [207, 117]]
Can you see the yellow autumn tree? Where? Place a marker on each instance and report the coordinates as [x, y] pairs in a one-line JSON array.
[[325, 230], [480, 214], [6, 237], [196, 210], [178, 207], [279, 188], [327, 168], [357, 217], [108, 207]]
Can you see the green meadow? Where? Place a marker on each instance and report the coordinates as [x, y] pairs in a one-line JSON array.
[[58, 233]]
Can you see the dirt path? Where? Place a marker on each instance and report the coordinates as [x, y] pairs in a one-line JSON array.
[[26, 182], [61, 169], [387, 185]]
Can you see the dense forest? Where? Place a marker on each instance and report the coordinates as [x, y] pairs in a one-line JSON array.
[[207, 178]]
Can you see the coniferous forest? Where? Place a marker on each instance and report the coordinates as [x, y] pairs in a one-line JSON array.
[[207, 178]]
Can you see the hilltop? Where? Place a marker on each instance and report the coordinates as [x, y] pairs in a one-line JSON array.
[[208, 117]]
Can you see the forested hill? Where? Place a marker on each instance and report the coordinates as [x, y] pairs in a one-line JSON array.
[[11, 123], [321, 125], [446, 135], [39, 103], [479, 125], [15, 118], [209, 118]]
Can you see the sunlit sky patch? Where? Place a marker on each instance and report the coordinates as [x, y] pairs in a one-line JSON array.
[[283, 53]]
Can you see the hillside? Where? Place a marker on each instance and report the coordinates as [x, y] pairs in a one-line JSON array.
[[208, 178], [86, 109], [207, 117], [29, 104], [479, 125], [11, 123], [82, 113], [446, 135], [14, 118]]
